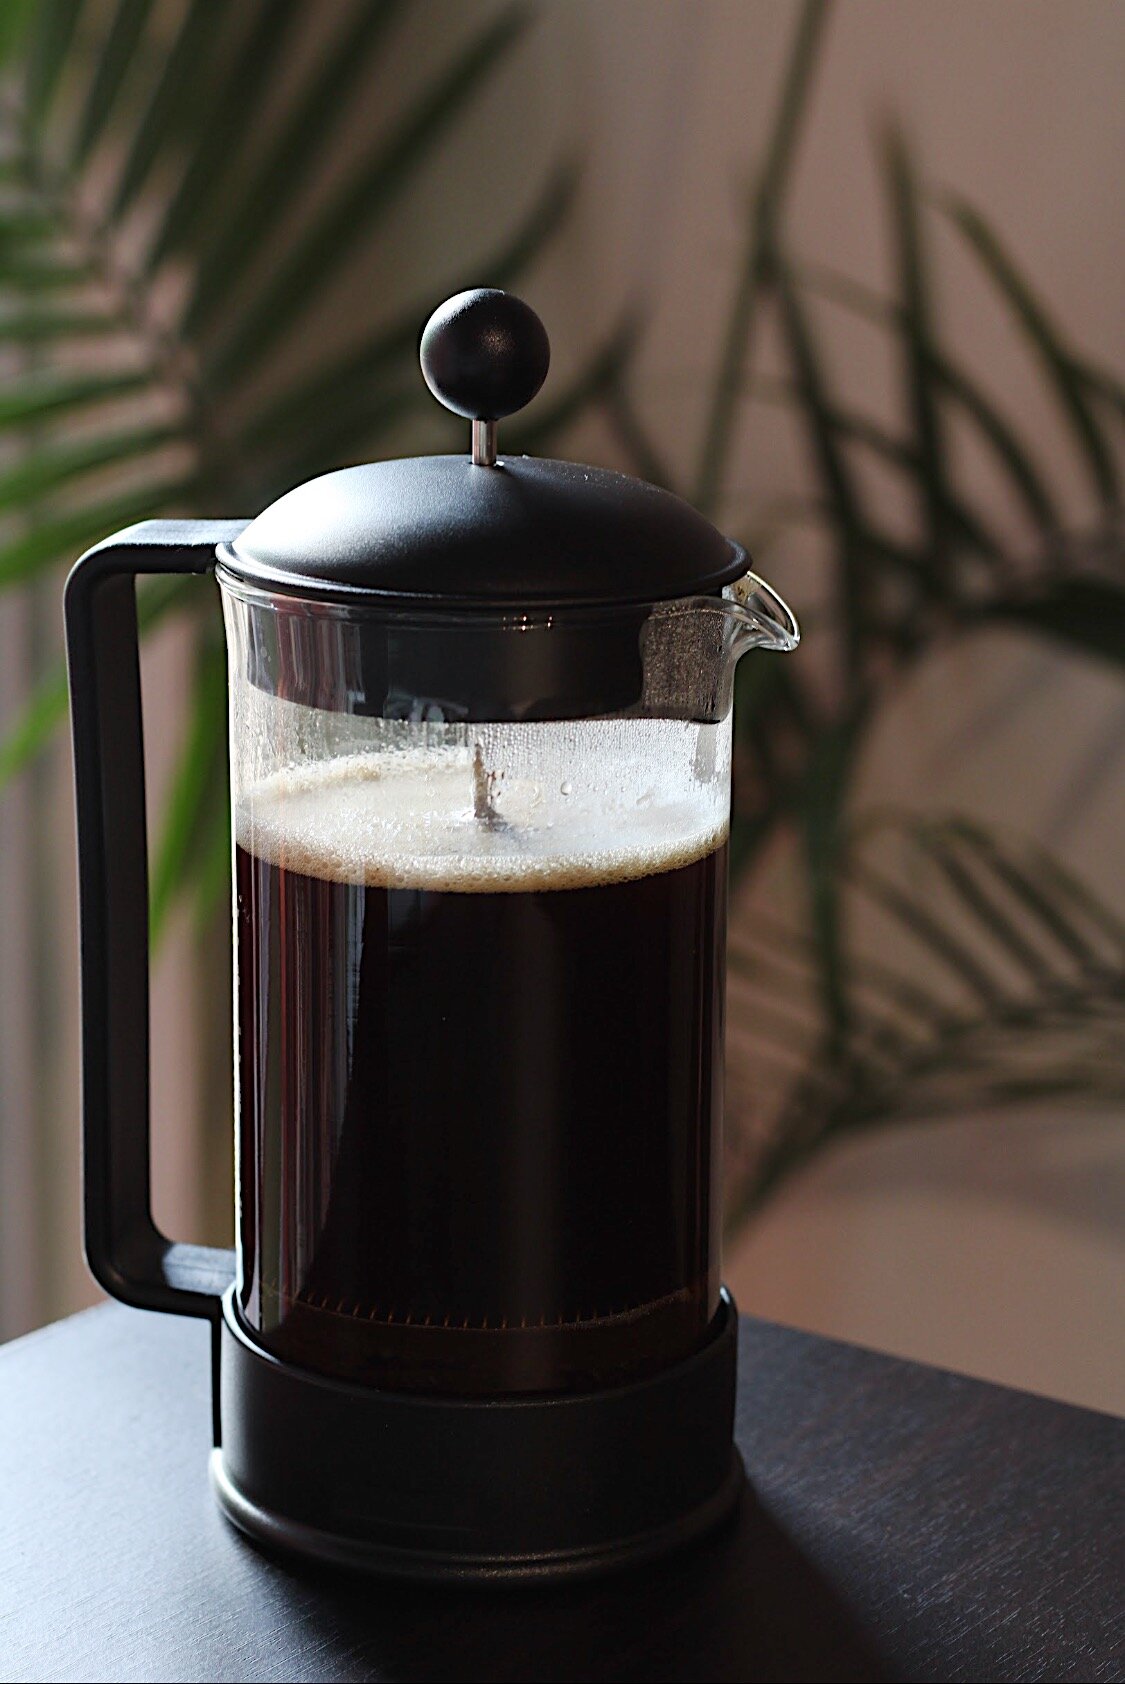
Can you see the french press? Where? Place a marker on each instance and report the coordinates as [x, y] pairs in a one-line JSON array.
[[480, 744]]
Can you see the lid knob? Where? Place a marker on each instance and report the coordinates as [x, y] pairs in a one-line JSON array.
[[484, 354]]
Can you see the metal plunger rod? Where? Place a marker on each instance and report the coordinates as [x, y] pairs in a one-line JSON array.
[[484, 444], [486, 783]]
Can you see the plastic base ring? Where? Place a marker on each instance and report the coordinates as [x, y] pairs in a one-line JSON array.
[[509, 1489]]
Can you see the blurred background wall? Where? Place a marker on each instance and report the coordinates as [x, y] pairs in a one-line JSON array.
[[986, 1238]]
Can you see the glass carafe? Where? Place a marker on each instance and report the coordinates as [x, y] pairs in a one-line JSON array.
[[479, 979]]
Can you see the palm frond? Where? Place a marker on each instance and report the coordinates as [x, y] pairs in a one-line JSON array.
[[150, 274], [59, 538], [588, 388], [379, 177], [1008, 985], [209, 879], [36, 724], [181, 84], [217, 144], [148, 264], [198, 786], [1086, 613], [52, 27], [391, 348], [116, 56], [40, 397], [45, 708], [31, 325], [147, 394], [33, 477], [1057, 360], [1102, 385], [763, 228], [14, 27], [828, 774], [964, 526], [1007, 978], [923, 393], [254, 204], [859, 548]]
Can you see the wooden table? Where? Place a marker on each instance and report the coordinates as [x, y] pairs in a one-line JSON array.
[[902, 1523]]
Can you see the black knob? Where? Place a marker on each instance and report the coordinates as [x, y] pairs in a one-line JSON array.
[[484, 354]]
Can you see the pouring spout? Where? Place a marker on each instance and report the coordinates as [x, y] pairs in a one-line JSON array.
[[691, 647], [760, 618]]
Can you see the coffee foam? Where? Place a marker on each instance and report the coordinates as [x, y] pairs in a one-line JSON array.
[[407, 821]]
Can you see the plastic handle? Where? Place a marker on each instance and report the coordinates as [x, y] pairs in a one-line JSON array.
[[127, 1253]]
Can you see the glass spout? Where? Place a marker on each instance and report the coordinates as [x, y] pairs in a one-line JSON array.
[[691, 647], [760, 618]]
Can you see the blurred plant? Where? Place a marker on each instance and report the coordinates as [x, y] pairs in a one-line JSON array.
[[1007, 985], [156, 292], [882, 1048]]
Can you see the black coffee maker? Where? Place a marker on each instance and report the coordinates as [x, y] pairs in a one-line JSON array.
[[480, 782]]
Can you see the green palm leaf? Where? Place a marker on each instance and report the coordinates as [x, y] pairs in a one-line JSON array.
[[36, 724], [42, 397], [393, 345], [1010, 986], [1012, 978], [862, 552], [1087, 613], [922, 390], [962, 524], [61, 537], [1057, 361], [209, 879], [1009, 450], [380, 177], [32, 477], [218, 143], [589, 388], [45, 708], [144, 114], [14, 27], [256, 205], [53, 23], [116, 57], [198, 786], [180, 85], [811, 385], [763, 231], [36, 326], [30, 273], [1103, 386]]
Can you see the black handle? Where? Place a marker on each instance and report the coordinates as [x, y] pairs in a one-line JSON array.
[[127, 1253]]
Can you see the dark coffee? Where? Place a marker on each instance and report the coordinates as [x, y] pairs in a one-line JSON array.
[[479, 1131]]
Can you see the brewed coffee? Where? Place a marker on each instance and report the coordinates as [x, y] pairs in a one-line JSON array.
[[479, 1078]]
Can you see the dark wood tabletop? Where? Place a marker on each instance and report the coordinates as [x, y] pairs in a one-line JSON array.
[[901, 1523]]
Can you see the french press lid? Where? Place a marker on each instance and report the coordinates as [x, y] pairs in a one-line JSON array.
[[476, 587], [484, 530]]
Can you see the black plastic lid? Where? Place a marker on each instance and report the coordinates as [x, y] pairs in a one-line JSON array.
[[484, 531]]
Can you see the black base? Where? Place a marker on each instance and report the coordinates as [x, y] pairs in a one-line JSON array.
[[480, 1489]]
